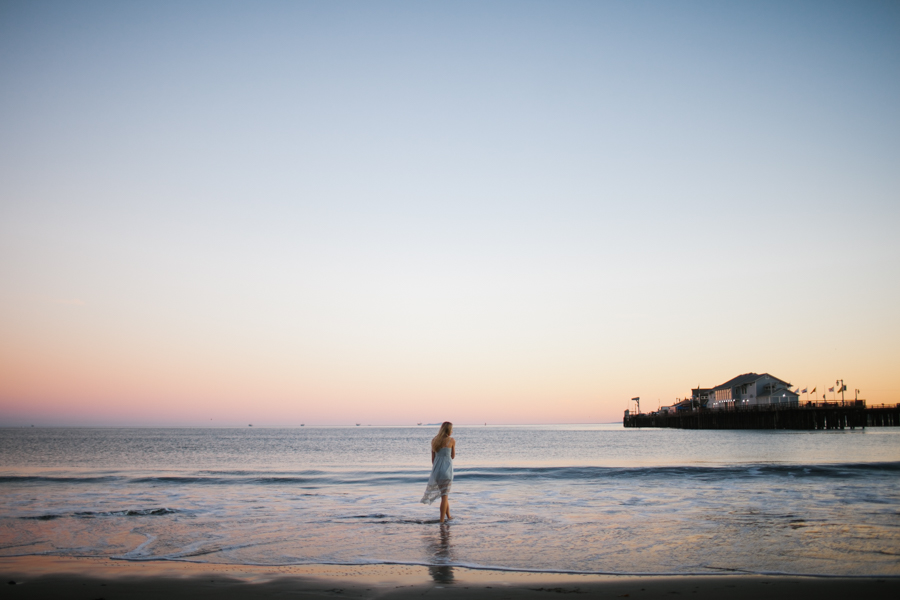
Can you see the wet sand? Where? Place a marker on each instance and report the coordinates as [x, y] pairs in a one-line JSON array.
[[92, 579]]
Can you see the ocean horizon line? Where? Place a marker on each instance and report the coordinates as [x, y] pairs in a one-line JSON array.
[[304, 425]]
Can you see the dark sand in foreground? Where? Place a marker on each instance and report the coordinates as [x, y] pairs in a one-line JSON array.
[[92, 579]]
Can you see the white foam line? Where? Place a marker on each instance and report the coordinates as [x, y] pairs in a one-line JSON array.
[[729, 572], [150, 539]]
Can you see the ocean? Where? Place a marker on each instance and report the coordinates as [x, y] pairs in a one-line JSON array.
[[578, 498]]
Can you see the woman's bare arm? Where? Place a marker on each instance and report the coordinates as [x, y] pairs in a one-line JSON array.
[[432, 457], [452, 448]]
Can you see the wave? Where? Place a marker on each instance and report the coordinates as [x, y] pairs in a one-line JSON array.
[[139, 512], [838, 471], [59, 478], [499, 474]]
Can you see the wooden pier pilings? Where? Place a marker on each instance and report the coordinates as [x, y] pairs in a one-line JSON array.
[[848, 415]]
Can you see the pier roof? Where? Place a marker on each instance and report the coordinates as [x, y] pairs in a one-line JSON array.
[[746, 378]]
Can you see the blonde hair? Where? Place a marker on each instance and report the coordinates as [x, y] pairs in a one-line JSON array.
[[438, 442]]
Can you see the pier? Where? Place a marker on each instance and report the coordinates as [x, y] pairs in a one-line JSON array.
[[852, 414]]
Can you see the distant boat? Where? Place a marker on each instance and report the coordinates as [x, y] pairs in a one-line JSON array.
[[250, 425], [357, 424], [302, 424], [418, 423]]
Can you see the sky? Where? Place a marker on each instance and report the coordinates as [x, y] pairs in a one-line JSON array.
[[327, 213]]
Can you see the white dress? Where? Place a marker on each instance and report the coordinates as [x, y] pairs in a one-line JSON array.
[[441, 477]]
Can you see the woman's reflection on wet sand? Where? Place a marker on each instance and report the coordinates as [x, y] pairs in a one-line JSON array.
[[441, 553]]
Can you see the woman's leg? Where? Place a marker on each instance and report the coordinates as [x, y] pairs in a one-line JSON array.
[[445, 507]]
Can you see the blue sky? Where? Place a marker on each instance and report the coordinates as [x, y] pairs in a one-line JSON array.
[[515, 212]]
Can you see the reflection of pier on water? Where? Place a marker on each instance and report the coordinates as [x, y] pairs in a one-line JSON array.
[[441, 552]]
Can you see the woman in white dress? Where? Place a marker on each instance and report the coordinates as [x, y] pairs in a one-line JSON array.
[[443, 451]]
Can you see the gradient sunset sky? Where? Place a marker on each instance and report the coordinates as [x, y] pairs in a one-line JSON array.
[[390, 212]]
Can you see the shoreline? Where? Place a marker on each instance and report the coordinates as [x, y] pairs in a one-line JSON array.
[[49, 577]]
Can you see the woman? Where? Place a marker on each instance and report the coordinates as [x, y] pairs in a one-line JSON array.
[[443, 451]]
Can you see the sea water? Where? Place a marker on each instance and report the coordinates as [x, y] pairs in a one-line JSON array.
[[594, 498]]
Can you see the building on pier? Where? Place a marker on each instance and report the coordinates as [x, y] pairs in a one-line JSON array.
[[749, 389]]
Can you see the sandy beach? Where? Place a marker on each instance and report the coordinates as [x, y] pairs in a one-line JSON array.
[[93, 579]]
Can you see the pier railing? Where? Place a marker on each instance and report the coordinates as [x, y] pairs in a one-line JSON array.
[[783, 406], [802, 415]]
